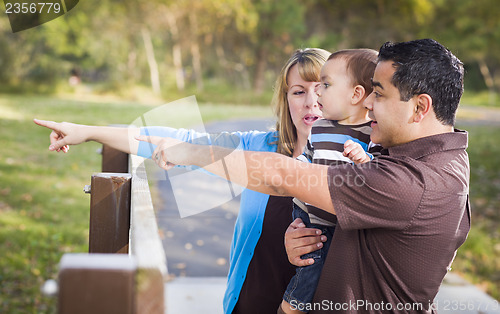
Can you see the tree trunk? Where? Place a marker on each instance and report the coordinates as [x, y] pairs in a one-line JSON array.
[[176, 50], [488, 80], [260, 70], [233, 70], [153, 66], [132, 66], [221, 55], [195, 51]]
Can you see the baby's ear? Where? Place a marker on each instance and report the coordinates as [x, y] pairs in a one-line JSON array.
[[358, 94]]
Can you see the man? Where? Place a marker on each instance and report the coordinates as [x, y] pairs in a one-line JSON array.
[[402, 216]]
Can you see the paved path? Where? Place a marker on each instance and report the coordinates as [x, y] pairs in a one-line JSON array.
[[198, 246]]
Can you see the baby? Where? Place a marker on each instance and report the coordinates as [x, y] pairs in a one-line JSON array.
[[343, 136]]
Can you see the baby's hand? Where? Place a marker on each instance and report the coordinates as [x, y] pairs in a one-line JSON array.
[[355, 152]]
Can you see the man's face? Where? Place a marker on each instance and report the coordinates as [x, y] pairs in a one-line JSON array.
[[392, 117]]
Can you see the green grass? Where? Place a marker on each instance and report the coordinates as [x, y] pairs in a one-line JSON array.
[[482, 99], [218, 92], [478, 260], [43, 211]]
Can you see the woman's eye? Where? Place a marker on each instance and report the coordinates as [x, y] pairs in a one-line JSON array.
[[300, 92], [326, 85]]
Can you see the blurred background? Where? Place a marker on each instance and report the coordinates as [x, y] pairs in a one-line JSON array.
[[176, 47], [108, 62]]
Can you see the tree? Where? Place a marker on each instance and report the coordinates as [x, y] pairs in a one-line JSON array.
[[473, 29], [279, 24], [357, 23]]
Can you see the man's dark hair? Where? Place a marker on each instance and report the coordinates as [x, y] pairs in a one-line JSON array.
[[426, 67]]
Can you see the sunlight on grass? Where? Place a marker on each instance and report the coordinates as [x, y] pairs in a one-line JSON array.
[[467, 113], [9, 113], [484, 99]]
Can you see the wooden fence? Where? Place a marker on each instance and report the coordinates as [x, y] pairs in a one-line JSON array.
[[125, 269]]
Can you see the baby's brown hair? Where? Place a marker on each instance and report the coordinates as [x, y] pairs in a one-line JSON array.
[[361, 65]]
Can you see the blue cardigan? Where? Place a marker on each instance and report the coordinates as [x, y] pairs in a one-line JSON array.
[[248, 227]]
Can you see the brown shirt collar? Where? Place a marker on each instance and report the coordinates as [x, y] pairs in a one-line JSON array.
[[431, 144]]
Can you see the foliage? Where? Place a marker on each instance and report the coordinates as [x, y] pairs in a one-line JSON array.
[[240, 42]]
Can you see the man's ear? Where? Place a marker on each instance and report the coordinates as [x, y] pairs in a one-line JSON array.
[[358, 94], [423, 106]]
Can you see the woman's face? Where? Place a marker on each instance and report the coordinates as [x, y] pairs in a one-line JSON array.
[[302, 102]]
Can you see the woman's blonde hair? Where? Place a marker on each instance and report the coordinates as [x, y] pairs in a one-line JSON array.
[[309, 62]]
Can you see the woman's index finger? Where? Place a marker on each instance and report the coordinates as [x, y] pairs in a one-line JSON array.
[[48, 124]]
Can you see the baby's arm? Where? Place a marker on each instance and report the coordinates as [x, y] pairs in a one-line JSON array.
[[355, 152]]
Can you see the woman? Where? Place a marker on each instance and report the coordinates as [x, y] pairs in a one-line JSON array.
[[259, 270]]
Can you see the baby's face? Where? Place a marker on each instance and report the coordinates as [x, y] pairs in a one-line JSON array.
[[336, 90]]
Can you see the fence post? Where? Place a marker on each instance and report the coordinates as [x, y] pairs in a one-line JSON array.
[[149, 294], [116, 283], [114, 160], [97, 284], [109, 213]]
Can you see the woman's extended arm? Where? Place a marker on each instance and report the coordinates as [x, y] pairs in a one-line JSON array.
[[122, 138], [65, 133]]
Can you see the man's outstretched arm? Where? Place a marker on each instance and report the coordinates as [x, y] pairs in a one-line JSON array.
[[264, 172]]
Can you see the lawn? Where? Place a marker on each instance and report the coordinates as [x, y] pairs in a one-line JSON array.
[[44, 213], [478, 260], [483, 99]]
